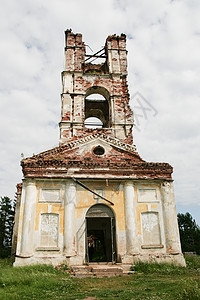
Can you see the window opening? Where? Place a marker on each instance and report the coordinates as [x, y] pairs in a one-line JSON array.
[[98, 150], [96, 111]]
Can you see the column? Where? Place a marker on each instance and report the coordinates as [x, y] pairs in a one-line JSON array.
[[170, 219], [27, 243], [69, 219], [130, 217]]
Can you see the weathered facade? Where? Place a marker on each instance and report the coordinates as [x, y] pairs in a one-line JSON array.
[[94, 198]]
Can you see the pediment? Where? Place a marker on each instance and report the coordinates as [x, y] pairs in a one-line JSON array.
[[85, 145], [77, 158], [109, 148]]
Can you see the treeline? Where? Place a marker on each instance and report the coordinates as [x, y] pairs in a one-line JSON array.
[[189, 230], [7, 212], [189, 233]]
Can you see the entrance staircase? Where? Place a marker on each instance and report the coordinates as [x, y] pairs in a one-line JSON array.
[[100, 270]]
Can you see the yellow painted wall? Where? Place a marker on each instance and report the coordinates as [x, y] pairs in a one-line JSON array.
[[143, 207], [85, 200], [44, 207]]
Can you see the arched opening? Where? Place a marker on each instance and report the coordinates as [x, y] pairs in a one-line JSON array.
[[100, 234], [97, 108]]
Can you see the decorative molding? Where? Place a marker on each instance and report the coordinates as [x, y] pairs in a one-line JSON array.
[[80, 141], [108, 139]]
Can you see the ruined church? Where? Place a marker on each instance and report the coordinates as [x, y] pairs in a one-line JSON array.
[[93, 198]]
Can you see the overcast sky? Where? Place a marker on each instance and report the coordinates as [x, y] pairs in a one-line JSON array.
[[163, 42]]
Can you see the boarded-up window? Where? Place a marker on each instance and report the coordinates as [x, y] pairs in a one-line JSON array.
[[49, 195], [147, 195], [49, 230], [150, 228]]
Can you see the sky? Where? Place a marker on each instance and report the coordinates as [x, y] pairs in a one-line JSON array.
[[163, 43]]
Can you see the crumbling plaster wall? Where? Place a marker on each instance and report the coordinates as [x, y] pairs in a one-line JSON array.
[[73, 104], [129, 205]]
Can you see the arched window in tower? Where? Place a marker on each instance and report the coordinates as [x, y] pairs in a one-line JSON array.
[[96, 108]]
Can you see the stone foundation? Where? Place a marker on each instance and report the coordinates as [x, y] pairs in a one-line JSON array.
[[177, 259]]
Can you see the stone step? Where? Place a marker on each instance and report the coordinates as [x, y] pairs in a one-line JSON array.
[[105, 270], [101, 275], [81, 269], [83, 275], [100, 270]]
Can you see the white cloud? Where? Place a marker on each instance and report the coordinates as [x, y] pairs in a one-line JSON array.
[[163, 44]]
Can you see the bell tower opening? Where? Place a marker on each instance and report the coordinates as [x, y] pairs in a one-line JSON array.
[[97, 108]]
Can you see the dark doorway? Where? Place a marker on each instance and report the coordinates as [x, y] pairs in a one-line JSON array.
[[100, 237]]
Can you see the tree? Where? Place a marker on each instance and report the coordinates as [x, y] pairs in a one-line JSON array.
[[7, 212], [189, 233]]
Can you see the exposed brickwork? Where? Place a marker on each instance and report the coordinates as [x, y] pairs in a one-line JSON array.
[[66, 116], [19, 189], [95, 68], [110, 166], [80, 79], [119, 162], [75, 51]]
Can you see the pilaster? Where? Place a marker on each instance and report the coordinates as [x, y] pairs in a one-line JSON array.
[[130, 218], [27, 243], [69, 219], [173, 245]]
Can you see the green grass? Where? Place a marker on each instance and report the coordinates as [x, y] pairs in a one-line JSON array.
[[150, 281]]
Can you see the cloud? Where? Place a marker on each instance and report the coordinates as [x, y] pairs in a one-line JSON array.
[[163, 40]]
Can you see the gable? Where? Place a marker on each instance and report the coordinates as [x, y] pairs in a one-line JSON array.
[[78, 158], [85, 143], [109, 150]]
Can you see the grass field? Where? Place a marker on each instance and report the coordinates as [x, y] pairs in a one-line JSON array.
[[149, 282]]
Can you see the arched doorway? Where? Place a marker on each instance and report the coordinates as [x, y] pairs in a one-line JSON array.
[[100, 234]]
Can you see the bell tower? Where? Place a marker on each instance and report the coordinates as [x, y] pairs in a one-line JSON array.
[[95, 96]]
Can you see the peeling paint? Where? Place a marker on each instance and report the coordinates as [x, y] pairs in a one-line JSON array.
[[143, 225]]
